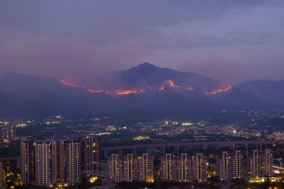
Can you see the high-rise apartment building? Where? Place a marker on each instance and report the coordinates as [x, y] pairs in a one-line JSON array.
[[255, 164], [174, 168], [238, 165], [27, 160], [57, 162], [169, 168], [61, 162], [1, 176], [199, 164], [224, 166], [115, 167], [184, 173], [7, 132], [145, 168], [73, 161], [90, 155], [128, 168], [51, 161], [267, 163], [43, 162]]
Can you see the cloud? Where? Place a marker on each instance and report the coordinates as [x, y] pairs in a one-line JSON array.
[[60, 39]]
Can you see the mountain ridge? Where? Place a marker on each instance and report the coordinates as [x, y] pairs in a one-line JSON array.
[[148, 75], [32, 96], [268, 90]]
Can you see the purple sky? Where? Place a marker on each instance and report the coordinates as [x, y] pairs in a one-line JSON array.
[[227, 40]]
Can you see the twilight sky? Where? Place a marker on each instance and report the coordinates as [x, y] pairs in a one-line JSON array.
[[227, 40]]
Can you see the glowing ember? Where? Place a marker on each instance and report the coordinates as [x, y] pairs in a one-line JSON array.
[[219, 90], [94, 91], [161, 88], [189, 89]]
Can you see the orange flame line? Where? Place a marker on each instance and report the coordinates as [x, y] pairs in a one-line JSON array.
[[123, 92], [71, 85], [79, 86], [172, 84], [219, 90], [95, 91]]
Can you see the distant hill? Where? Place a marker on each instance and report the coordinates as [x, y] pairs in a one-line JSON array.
[[31, 96], [147, 75], [272, 91], [239, 99]]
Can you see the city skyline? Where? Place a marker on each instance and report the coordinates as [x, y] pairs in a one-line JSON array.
[[142, 94]]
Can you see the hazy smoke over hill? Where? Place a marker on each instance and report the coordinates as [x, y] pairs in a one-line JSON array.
[[159, 90]]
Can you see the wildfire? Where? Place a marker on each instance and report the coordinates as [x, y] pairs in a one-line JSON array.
[[219, 90], [71, 85], [79, 86], [92, 91], [189, 89], [161, 88], [125, 92], [172, 84]]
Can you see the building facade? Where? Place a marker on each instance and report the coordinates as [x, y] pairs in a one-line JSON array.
[[255, 164], [169, 168], [27, 160], [238, 165], [90, 155], [224, 166], [267, 163], [184, 173], [7, 132], [50, 162], [129, 168], [199, 165]]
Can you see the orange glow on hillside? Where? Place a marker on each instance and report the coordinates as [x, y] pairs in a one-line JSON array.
[[125, 92], [189, 89], [219, 90], [79, 86], [172, 84], [71, 84], [92, 91], [161, 88]]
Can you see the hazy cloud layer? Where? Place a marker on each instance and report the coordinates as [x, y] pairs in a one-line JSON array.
[[225, 40]]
